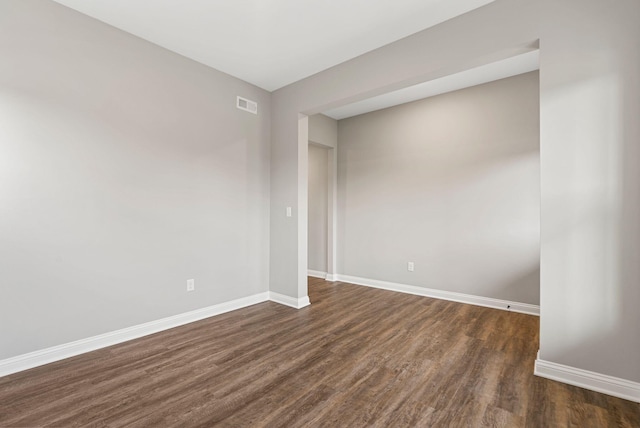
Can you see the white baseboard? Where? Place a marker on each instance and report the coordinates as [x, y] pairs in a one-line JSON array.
[[289, 301], [71, 349], [60, 352], [605, 384], [488, 302], [330, 277], [316, 274]]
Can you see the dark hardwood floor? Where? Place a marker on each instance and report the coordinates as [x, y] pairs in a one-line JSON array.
[[356, 357]]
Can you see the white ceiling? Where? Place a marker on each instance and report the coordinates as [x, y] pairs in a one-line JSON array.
[[272, 43], [513, 66]]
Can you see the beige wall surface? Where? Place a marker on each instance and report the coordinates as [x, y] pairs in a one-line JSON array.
[[589, 151], [450, 183], [318, 207], [125, 170], [323, 130]]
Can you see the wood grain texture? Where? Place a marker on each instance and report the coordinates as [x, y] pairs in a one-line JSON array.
[[356, 357]]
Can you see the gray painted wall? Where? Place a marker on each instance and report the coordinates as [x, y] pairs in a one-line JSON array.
[[590, 159], [125, 170], [318, 207], [323, 130], [451, 183]]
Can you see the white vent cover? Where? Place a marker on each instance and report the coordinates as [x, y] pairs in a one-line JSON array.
[[247, 105]]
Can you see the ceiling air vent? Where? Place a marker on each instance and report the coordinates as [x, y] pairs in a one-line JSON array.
[[247, 105]]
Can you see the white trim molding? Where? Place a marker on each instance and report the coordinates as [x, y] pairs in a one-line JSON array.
[[331, 277], [71, 349], [317, 274], [289, 301], [593, 381], [488, 302]]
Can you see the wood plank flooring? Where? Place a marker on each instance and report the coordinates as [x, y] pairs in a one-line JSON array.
[[356, 357]]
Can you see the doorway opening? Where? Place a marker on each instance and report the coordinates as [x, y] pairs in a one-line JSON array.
[[321, 196], [314, 262]]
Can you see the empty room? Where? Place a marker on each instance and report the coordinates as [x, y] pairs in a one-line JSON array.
[[295, 213]]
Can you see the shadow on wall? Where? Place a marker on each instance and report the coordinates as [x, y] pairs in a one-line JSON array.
[[591, 236]]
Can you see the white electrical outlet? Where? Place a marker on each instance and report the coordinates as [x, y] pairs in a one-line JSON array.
[[191, 284], [410, 266], [288, 211]]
